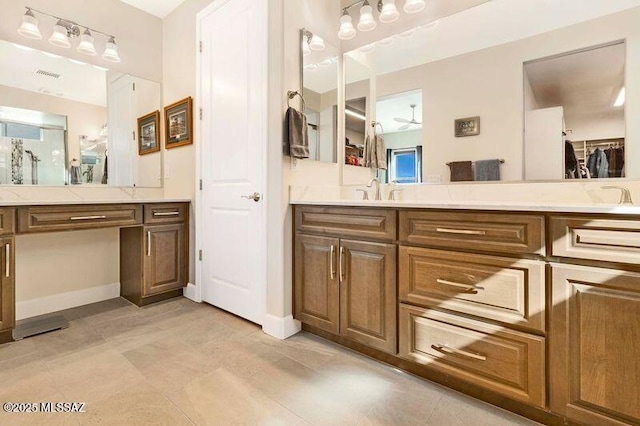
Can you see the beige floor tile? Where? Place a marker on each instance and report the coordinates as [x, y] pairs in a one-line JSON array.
[[96, 313], [318, 399], [93, 374], [456, 409], [28, 383], [41, 418], [127, 326], [310, 352], [139, 405], [220, 398], [78, 336]]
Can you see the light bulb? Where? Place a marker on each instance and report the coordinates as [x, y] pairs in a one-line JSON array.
[[389, 12], [29, 27], [111, 52], [366, 23], [347, 31], [59, 37], [316, 43], [86, 44], [414, 6]]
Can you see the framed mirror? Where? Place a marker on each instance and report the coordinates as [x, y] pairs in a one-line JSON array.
[[320, 92], [78, 122]]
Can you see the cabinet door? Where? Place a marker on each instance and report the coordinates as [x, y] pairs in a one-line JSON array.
[[165, 259], [7, 285], [317, 296], [595, 345], [368, 293]]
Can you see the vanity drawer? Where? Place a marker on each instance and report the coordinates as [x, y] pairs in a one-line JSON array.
[[165, 213], [613, 240], [492, 232], [7, 221], [62, 218], [507, 362], [375, 224], [497, 288]]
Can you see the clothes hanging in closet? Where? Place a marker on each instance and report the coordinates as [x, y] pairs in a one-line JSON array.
[[615, 157], [571, 164], [598, 164]]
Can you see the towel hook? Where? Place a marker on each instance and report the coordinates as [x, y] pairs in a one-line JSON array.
[[292, 94]]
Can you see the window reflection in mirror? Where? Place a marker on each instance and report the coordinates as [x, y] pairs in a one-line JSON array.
[[320, 91], [576, 101], [399, 120], [100, 108], [357, 93]]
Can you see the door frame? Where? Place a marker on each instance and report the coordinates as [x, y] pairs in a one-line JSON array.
[[264, 28]]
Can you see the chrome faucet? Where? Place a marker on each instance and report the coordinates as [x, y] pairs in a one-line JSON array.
[[392, 193], [625, 194], [370, 184], [365, 194]]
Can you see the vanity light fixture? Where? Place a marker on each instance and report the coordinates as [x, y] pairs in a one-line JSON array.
[[388, 13], [620, 100], [64, 30], [311, 41]]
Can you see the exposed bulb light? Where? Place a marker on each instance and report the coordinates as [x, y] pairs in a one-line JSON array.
[[59, 37], [388, 12], [316, 43], [366, 23], [622, 97], [355, 114], [29, 27], [86, 46], [347, 31], [414, 6], [111, 52]]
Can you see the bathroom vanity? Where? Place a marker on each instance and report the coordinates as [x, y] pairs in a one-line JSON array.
[[153, 245], [533, 310]]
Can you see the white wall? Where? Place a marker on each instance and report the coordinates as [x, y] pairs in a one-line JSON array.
[[595, 126], [408, 139]]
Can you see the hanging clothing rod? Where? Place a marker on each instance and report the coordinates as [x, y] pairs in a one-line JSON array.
[[292, 94], [473, 162]]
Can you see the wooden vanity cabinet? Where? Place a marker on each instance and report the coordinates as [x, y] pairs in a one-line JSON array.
[[347, 287], [595, 345], [7, 289], [153, 258]]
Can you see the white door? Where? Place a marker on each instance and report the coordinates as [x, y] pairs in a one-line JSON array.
[[544, 144], [233, 135]]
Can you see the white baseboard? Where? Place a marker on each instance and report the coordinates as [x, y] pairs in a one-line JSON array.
[[191, 291], [58, 302], [281, 328]]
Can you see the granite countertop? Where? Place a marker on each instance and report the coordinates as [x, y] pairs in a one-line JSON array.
[[484, 205]]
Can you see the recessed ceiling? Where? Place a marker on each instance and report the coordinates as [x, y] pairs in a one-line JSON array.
[[159, 8]]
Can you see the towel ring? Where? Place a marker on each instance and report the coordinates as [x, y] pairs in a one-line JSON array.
[[377, 123], [292, 94]]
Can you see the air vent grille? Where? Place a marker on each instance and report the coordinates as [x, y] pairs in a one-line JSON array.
[[47, 74]]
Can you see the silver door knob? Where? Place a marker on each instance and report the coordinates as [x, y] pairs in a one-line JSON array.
[[255, 196]]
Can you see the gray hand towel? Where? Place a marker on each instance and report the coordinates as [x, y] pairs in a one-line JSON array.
[[461, 171], [487, 170], [381, 153], [296, 136]]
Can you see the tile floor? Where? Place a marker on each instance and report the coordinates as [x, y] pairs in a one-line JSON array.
[[183, 363]]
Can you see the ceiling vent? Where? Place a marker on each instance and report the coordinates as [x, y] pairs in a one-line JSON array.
[[47, 74]]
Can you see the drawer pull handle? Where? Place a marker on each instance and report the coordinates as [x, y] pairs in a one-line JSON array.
[[333, 272], [148, 243], [460, 231], [87, 217], [448, 349], [7, 259], [166, 213], [454, 284]]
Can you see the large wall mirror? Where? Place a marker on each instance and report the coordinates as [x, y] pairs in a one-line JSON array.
[[320, 92], [64, 122], [547, 106]]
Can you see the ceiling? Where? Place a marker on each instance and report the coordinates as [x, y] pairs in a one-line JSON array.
[[399, 105], [159, 8], [82, 83], [584, 82]]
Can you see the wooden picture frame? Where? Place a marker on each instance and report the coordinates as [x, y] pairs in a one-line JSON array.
[[467, 127], [149, 133], [178, 124]]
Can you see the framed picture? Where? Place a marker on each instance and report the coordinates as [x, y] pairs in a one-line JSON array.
[[149, 133], [467, 126], [178, 124]]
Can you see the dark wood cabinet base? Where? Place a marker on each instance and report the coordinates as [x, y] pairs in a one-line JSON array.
[[533, 413], [6, 336]]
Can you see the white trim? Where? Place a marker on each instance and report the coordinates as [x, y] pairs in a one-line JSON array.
[[281, 328], [71, 299], [192, 292]]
